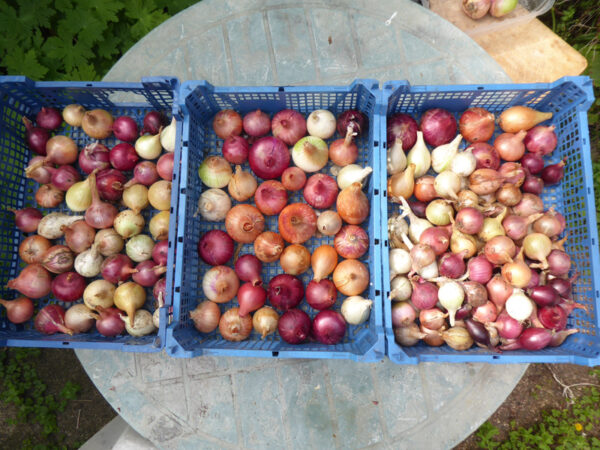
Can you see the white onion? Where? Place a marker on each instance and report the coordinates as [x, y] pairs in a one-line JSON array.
[[451, 296], [519, 306], [321, 123], [356, 309], [167, 136], [401, 289], [464, 164], [400, 262], [213, 205], [352, 173]]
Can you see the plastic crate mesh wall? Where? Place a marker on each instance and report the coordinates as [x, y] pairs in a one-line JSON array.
[[202, 104], [571, 197], [20, 99]]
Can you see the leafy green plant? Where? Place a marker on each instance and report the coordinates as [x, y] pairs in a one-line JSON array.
[[75, 39]]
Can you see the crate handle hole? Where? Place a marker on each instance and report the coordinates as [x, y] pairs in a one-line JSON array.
[[376, 143], [376, 241], [66, 343], [495, 357], [281, 89], [377, 292], [376, 191], [185, 143], [275, 354]]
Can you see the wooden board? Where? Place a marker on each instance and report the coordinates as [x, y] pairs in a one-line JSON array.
[[529, 51]]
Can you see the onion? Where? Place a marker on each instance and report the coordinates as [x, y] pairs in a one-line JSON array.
[[79, 318], [129, 297], [404, 127], [517, 272], [486, 156], [153, 120], [19, 310], [227, 123], [447, 184], [548, 224], [541, 140], [213, 205], [476, 124], [235, 149], [507, 327], [160, 252], [537, 246], [533, 185], [89, 262], [323, 260], [159, 291], [294, 326], [532, 162], [242, 186], [298, 222], [51, 224], [352, 173], [329, 327], [125, 129], [64, 177], [168, 136], [463, 243], [33, 248], [144, 173], [39, 173], [485, 181], [476, 9], [329, 223], [419, 156], [48, 196], [58, 259], [109, 183], [535, 338], [206, 316], [424, 190], [469, 220], [68, 286], [451, 265], [438, 126], [513, 173], [451, 296], [268, 246], [464, 163], [310, 154], [109, 241], [424, 294], [35, 137], [353, 119], [61, 150], [553, 173], [159, 195], [27, 219], [256, 123], [293, 178], [248, 268], [400, 262], [499, 290], [321, 295], [320, 191], [109, 323], [401, 289], [159, 225], [244, 223], [265, 321], [143, 323], [215, 247], [530, 204], [421, 255], [476, 294], [289, 126], [343, 152], [486, 312], [117, 268], [271, 197], [352, 204], [285, 291], [33, 281], [139, 248], [164, 166], [97, 123], [49, 118], [559, 263], [458, 338], [439, 212], [215, 172], [250, 297], [433, 318], [73, 114], [509, 195], [545, 295], [517, 118], [320, 123], [220, 284], [269, 157], [558, 338], [79, 196], [295, 259], [99, 293], [409, 335], [480, 269], [136, 197], [500, 250], [519, 306], [51, 319], [100, 214], [401, 184], [351, 242], [351, 277], [510, 146], [437, 238]]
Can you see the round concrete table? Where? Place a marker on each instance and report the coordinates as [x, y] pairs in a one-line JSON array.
[[210, 402]]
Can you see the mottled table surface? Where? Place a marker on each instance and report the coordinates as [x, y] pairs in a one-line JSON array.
[[210, 402]]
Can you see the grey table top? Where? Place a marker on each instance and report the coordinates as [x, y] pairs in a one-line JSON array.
[[210, 402]]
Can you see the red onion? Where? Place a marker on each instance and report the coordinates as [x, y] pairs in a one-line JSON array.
[[403, 314], [36, 137], [499, 290], [438, 126], [418, 208], [235, 149], [563, 286], [508, 328], [147, 273], [343, 151], [123, 156], [293, 178], [288, 126], [535, 338], [125, 129], [477, 125], [33, 281], [534, 163], [516, 226], [476, 9], [561, 219], [271, 197], [329, 327], [475, 293], [50, 320], [530, 204], [559, 263], [160, 252], [68, 286], [160, 290], [541, 140], [548, 224], [49, 118], [164, 166], [486, 156], [110, 183], [27, 219], [553, 173], [48, 196], [42, 174], [510, 146], [248, 268], [535, 279], [109, 323], [351, 242], [469, 220], [94, 156], [486, 312], [215, 247], [480, 269], [256, 123], [19, 310], [153, 120], [462, 313], [533, 185], [285, 291], [320, 191], [402, 126], [437, 238], [64, 177], [451, 265], [544, 295], [321, 295], [569, 306], [479, 333], [559, 338], [269, 157], [294, 326], [99, 214], [354, 119], [117, 268], [250, 297], [227, 123], [424, 294], [513, 173], [500, 250], [145, 173]]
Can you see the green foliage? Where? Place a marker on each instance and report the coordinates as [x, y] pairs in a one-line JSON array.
[[75, 39], [21, 386]]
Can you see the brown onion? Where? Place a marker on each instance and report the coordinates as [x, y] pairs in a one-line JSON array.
[[509, 195], [432, 318], [49, 196], [485, 181], [323, 261], [265, 321], [353, 205], [32, 249], [500, 250], [424, 190], [477, 124], [329, 223], [109, 242], [206, 316], [242, 185], [517, 118], [517, 273], [233, 327], [97, 123], [351, 277], [297, 223], [295, 259], [268, 246], [513, 173], [58, 259], [499, 290], [244, 223], [510, 146]]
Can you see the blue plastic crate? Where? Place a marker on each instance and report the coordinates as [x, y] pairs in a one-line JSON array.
[[200, 101], [21, 96], [569, 99]]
